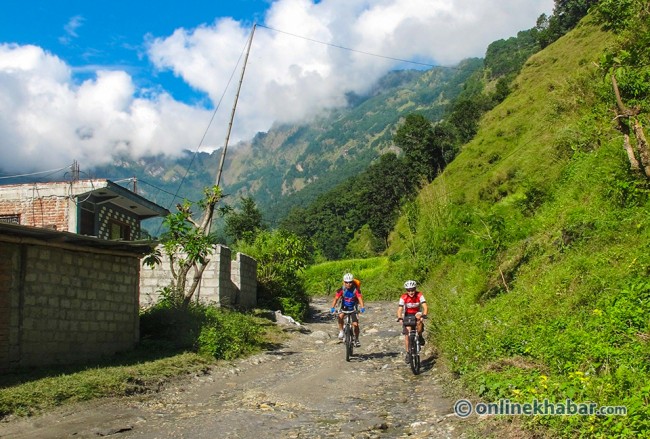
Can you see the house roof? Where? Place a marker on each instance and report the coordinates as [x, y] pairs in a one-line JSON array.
[[106, 190], [97, 191], [18, 233]]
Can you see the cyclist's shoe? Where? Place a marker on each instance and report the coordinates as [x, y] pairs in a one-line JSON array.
[[341, 335], [422, 342], [407, 358], [357, 343]]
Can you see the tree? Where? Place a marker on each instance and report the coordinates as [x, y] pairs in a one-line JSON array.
[[385, 185], [506, 57], [281, 256], [627, 68], [246, 224], [466, 113], [330, 221], [416, 139], [188, 245], [566, 15]]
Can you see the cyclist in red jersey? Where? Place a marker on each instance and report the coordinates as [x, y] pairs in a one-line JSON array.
[[412, 308]]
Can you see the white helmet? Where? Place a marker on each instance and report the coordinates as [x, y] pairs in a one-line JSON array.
[[410, 284], [347, 277]]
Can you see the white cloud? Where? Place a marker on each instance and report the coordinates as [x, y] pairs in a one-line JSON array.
[[48, 121], [71, 29], [51, 119]]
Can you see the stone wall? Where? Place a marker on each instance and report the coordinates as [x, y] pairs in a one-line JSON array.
[[225, 282], [65, 304]]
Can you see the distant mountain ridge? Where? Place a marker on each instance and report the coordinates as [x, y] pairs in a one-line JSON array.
[[291, 164]]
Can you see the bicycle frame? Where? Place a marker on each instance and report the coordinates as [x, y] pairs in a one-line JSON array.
[[414, 350], [348, 331], [413, 347]]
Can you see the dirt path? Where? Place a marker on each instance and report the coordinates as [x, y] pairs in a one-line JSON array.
[[305, 389]]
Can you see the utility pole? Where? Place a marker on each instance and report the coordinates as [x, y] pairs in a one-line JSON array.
[[75, 171], [207, 222], [232, 115]]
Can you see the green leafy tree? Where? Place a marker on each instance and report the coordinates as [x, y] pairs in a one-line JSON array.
[[188, 245], [566, 15], [244, 225], [466, 114], [385, 185], [627, 68], [331, 220], [417, 140], [506, 57], [281, 256]]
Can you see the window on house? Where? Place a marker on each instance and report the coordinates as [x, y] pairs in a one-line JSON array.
[[119, 230], [10, 219]]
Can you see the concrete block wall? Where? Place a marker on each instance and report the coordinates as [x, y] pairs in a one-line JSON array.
[[244, 277], [65, 306], [7, 262], [221, 283]]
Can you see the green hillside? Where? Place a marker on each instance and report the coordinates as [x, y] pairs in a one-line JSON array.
[[532, 248]]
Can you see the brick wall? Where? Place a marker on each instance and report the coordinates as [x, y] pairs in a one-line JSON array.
[[48, 212], [224, 283], [65, 305]]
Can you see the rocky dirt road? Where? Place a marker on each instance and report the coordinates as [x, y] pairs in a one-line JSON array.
[[303, 389]]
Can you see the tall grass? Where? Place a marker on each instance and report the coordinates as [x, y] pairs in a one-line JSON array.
[[380, 280]]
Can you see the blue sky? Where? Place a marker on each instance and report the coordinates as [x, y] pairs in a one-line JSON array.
[[86, 80], [91, 33]]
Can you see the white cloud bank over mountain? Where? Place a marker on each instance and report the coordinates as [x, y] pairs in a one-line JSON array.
[[50, 119]]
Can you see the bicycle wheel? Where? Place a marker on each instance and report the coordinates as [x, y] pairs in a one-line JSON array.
[[415, 355], [348, 342]]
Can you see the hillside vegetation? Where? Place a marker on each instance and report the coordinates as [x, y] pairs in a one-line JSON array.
[[532, 246]]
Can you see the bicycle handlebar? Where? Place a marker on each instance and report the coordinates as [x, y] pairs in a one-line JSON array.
[[401, 319]]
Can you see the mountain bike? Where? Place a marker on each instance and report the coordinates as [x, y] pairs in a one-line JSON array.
[[348, 332], [413, 345]]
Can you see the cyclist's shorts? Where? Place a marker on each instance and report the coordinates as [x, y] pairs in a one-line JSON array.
[[409, 320], [355, 316]]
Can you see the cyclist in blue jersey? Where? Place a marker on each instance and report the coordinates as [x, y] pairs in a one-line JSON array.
[[350, 297]]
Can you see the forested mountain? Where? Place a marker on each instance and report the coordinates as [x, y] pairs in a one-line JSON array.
[[291, 164]]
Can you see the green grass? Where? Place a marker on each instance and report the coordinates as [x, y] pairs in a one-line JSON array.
[[28, 392], [379, 279]]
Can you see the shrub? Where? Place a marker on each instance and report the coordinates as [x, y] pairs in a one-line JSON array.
[[200, 328], [281, 257]]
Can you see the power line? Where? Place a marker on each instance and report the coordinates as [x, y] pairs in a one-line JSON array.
[[160, 189], [350, 49], [52, 171]]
